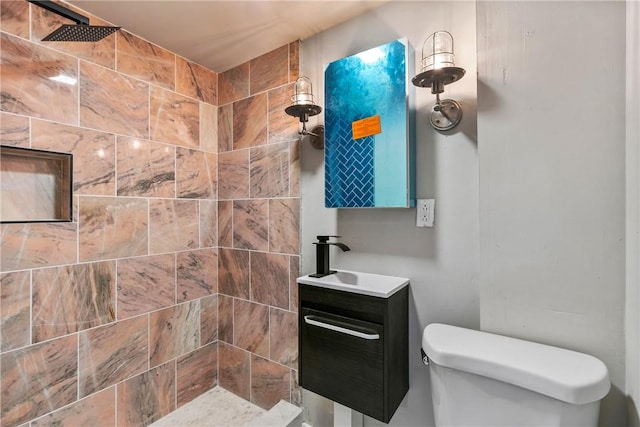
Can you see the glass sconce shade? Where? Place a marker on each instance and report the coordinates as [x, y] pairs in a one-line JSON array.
[[302, 92], [437, 51], [302, 104], [438, 63]]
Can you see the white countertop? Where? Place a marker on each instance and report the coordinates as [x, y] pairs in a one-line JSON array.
[[376, 285]]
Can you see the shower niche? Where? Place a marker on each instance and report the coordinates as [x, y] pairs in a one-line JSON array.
[[35, 185], [370, 129]]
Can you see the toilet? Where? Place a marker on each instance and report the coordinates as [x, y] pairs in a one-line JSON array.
[[484, 379]]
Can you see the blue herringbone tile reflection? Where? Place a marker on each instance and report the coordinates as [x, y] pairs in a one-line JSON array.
[[349, 179]]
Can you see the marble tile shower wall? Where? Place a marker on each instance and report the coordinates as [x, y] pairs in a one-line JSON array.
[[178, 270]]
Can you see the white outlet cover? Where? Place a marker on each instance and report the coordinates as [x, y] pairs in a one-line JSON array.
[[425, 212]]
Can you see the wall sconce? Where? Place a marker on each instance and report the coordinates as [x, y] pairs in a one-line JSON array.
[[302, 106], [438, 70]]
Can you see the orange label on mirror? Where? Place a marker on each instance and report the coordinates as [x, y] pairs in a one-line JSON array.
[[366, 127]]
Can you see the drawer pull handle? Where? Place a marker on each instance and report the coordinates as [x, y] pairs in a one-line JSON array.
[[311, 321]]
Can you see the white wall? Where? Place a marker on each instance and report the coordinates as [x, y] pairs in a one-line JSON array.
[[442, 262], [633, 212], [551, 132]]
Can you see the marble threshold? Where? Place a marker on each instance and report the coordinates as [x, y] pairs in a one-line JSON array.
[[221, 408]]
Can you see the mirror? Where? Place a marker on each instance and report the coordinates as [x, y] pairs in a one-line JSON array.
[[369, 129]]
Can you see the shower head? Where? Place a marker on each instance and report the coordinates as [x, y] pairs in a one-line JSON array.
[[81, 32]]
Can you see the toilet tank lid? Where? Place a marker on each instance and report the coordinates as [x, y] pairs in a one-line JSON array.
[[563, 374]]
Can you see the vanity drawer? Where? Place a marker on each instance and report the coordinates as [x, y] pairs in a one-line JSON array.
[[343, 359]]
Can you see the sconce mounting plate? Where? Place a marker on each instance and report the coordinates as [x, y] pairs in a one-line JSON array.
[[446, 115]]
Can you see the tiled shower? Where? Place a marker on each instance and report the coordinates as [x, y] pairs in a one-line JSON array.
[[178, 271]]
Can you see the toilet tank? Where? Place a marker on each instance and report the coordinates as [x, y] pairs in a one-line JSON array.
[[479, 378]]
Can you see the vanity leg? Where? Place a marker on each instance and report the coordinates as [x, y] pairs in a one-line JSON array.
[[346, 417]]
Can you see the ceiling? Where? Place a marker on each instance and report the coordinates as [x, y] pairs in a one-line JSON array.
[[221, 34]]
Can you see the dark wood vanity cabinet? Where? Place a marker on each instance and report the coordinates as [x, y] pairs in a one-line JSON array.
[[354, 348]]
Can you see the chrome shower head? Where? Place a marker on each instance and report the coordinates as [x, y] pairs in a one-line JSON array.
[[81, 32]]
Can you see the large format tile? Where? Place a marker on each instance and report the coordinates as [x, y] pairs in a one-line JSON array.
[[15, 310], [269, 70], [251, 327], [233, 273], [38, 379], [196, 81], [196, 174], [251, 224], [294, 273], [111, 227], [269, 382], [208, 128], [146, 168], [225, 318], [234, 364], [14, 130], [173, 332], [14, 17], [284, 226], [173, 225], [294, 60], [208, 319], [196, 274], [96, 410], [294, 169], [145, 284], [208, 223], [233, 175], [26, 84], [113, 102], [225, 223], [37, 245], [197, 373], [94, 169], [250, 122], [146, 61], [174, 118], [270, 279], [147, 397], [225, 128], [233, 84], [72, 298], [283, 337], [269, 167], [112, 353]]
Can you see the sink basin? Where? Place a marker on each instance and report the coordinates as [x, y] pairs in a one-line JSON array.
[[376, 285]]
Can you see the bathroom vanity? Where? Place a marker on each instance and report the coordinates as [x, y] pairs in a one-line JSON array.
[[353, 340]]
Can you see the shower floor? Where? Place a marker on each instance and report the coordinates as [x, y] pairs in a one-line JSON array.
[[221, 408]]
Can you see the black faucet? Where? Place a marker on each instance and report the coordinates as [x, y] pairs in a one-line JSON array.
[[322, 255]]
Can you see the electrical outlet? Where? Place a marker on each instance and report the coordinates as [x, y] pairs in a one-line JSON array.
[[425, 212]]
